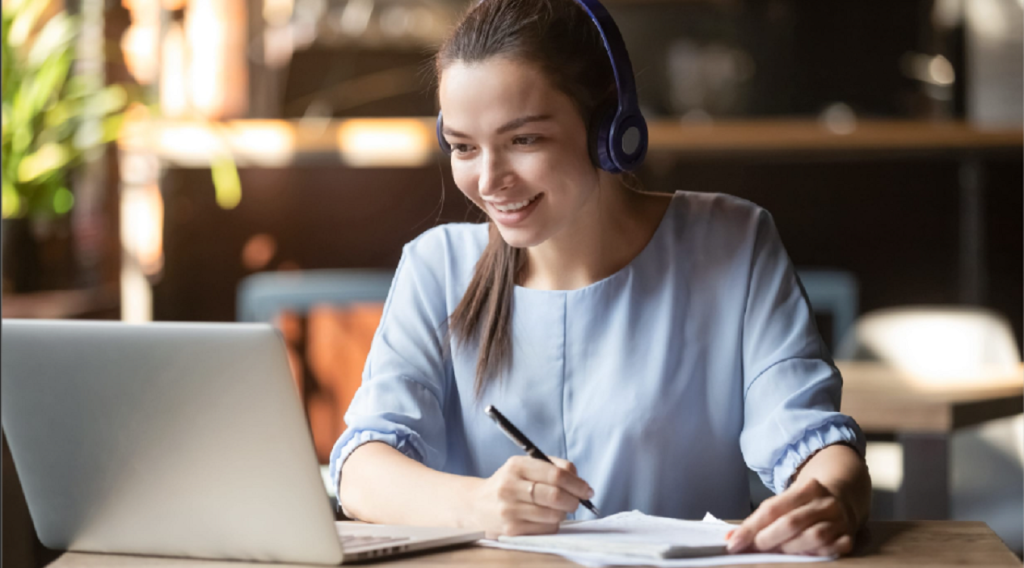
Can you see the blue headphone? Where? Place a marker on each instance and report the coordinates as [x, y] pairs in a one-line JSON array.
[[618, 136]]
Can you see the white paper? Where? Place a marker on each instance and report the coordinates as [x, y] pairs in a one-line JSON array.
[[633, 538], [709, 518]]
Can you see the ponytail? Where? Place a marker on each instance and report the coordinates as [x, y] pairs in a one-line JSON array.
[[485, 312]]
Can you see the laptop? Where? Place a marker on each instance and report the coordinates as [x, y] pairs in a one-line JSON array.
[[175, 439]]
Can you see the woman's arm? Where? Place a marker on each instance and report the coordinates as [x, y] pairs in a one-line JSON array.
[[820, 512], [793, 435], [379, 484]]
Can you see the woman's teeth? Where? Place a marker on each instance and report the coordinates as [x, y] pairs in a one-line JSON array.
[[515, 206]]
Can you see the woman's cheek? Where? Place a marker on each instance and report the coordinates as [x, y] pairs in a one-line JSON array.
[[466, 182], [539, 168], [563, 161]]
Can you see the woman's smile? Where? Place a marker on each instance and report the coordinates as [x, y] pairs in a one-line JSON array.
[[512, 214]]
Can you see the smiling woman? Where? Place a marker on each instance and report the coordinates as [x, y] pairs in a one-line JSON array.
[[662, 344], [523, 103]]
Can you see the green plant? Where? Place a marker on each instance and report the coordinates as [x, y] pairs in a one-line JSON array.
[[52, 118]]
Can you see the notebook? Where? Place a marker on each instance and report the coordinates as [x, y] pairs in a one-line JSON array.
[[633, 534], [633, 538]]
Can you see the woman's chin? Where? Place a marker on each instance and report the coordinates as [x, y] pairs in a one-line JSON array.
[[519, 238]]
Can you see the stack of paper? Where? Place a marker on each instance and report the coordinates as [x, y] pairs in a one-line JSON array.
[[634, 538]]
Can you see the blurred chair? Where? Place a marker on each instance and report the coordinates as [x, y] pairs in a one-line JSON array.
[[832, 293], [262, 295], [933, 341], [948, 345], [328, 319]]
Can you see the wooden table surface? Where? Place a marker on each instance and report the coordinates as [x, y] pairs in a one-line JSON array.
[[883, 544]]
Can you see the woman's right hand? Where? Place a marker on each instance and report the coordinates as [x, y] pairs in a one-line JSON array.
[[528, 496]]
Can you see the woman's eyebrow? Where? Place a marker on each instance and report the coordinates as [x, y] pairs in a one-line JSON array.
[[516, 123], [508, 126], [454, 133]]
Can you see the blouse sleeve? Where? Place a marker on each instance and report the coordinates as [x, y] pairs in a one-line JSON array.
[[792, 389], [404, 380]]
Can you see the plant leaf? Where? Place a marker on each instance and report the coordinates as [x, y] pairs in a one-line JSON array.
[[24, 14], [45, 86], [110, 100], [226, 184], [112, 127], [11, 200], [56, 37], [51, 157]]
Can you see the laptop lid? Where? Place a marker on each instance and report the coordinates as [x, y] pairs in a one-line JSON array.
[[174, 439]]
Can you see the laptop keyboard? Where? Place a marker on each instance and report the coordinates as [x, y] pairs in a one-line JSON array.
[[359, 541]]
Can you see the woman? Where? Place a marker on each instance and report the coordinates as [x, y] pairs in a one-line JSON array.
[[658, 345]]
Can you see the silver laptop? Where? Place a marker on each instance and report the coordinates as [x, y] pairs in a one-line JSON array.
[[174, 439]]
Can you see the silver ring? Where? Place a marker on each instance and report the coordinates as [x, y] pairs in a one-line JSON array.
[[532, 486]]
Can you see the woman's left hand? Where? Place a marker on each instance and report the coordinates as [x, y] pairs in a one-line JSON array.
[[807, 518]]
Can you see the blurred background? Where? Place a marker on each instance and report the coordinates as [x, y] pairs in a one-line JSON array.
[[265, 160]]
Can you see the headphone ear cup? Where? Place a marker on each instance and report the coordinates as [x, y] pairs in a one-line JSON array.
[[445, 146], [597, 137]]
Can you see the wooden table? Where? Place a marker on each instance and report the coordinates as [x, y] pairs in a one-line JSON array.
[[883, 544], [922, 414]]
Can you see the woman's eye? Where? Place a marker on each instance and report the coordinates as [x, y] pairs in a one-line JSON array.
[[525, 140], [460, 148]]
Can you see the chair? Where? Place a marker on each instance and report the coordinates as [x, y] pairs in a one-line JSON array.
[[327, 318], [262, 295], [933, 341]]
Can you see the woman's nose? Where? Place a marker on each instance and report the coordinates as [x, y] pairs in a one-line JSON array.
[[494, 174]]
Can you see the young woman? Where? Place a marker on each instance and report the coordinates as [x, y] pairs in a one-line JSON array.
[[659, 345]]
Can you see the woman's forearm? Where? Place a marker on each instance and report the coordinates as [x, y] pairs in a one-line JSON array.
[[379, 484], [843, 472]]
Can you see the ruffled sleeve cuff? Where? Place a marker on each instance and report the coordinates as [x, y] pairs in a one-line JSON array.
[[352, 440], [839, 430]]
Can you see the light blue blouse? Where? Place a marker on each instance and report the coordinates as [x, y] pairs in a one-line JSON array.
[[662, 383]]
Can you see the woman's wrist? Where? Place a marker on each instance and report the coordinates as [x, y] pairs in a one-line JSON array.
[[465, 502], [842, 471]]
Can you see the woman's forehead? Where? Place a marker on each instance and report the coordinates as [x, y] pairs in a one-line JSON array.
[[489, 93]]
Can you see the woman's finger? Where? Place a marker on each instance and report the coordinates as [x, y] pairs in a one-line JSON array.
[[519, 527], [769, 511], [544, 472], [791, 525], [814, 539], [533, 513], [554, 498], [841, 546], [566, 465]]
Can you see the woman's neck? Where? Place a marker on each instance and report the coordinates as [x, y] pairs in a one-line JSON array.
[[610, 231]]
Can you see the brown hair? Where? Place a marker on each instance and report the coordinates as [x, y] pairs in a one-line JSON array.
[[559, 37]]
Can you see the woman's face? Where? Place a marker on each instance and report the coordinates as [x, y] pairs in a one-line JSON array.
[[519, 147]]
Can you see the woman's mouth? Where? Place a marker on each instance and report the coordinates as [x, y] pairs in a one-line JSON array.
[[513, 213]]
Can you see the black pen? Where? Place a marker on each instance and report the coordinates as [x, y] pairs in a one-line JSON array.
[[523, 442]]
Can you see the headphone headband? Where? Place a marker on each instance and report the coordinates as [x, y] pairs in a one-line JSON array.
[[622, 69], [619, 142]]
